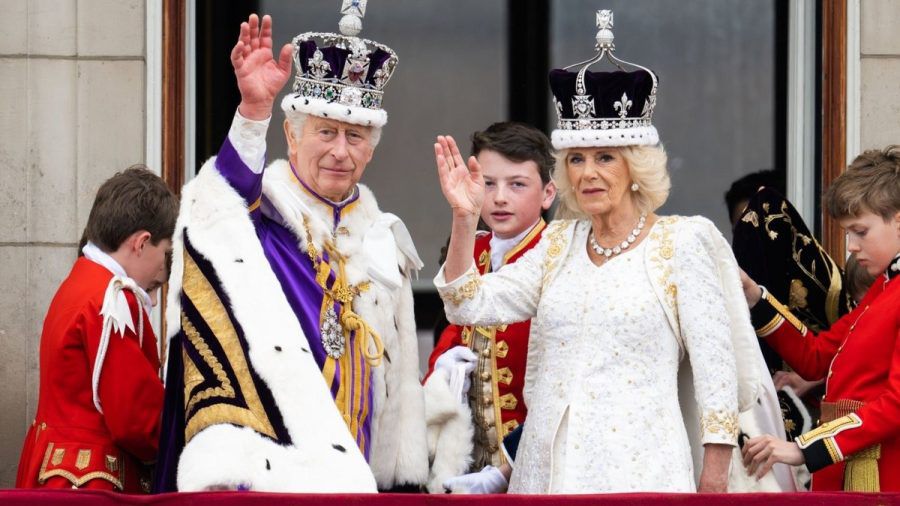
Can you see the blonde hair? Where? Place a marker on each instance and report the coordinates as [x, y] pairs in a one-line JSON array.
[[646, 167]]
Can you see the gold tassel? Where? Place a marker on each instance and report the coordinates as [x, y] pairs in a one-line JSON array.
[[861, 471], [352, 321]]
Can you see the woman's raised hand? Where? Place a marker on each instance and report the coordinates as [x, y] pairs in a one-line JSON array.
[[259, 76], [463, 185]]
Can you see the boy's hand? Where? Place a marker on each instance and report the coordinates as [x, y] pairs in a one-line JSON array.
[[259, 76], [463, 185], [763, 452]]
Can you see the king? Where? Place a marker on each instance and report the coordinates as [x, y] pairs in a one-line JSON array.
[[293, 362]]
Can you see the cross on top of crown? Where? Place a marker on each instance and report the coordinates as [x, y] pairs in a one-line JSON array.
[[354, 8], [604, 29]]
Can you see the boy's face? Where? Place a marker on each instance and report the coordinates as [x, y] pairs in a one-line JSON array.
[[150, 265], [874, 241], [514, 194], [153, 289]]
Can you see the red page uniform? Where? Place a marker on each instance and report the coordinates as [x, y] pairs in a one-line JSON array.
[[495, 396], [71, 444], [857, 445]]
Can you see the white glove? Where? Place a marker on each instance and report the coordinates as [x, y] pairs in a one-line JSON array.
[[458, 363], [487, 481]]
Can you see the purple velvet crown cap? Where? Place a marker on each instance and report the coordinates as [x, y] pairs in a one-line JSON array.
[[605, 89], [616, 109], [337, 60]]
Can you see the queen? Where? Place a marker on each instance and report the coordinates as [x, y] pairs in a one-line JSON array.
[[617, 294]]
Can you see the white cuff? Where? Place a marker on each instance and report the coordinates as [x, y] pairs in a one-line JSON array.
[[441, 283], [460, 290], [249, 140]]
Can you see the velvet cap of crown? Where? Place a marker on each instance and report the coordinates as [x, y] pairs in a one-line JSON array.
[[603, 109], [341, 76]]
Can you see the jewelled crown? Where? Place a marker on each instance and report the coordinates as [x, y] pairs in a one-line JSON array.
[[341, 76], [598, 109]]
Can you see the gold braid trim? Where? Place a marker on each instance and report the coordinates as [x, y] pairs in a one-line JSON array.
[[784, 312], [76, 481], [833, 451], [829, 430], [770, 327], [212, 310]]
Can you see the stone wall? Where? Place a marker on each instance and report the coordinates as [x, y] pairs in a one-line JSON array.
[[879, 45], [72, 113]]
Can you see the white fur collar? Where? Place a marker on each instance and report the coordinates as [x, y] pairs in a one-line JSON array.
[[291, 201]]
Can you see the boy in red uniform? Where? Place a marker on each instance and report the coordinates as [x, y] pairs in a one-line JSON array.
[[516, 160], [857, 445], [97, 421]]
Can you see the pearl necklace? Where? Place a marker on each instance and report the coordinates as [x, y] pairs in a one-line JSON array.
[[615, 250]]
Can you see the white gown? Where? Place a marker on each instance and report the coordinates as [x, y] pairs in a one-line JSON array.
[[601, 381]]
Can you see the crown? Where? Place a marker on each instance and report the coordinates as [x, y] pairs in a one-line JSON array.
[[597, 109], [341, 76]]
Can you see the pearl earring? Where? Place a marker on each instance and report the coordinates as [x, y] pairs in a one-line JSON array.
[[635, 187]]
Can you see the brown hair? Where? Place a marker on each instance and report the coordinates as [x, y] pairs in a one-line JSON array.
[[871, 183], [130, 201], [517, 142]]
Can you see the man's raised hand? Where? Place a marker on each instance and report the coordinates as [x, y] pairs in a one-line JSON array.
[[259, 76]]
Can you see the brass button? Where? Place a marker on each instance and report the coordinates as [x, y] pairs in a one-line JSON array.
[[486, 352], [485, 375], [487, 400]]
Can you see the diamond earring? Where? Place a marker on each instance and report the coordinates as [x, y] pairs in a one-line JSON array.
[[635, 187]]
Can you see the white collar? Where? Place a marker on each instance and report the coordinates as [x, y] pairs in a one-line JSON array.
[[500, 247], [98, 256]]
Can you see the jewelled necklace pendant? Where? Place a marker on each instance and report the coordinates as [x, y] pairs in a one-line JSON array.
[[332, 335], [615, 250]]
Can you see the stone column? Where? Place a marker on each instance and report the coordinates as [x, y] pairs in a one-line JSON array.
[[880, 74], [72, 113]]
